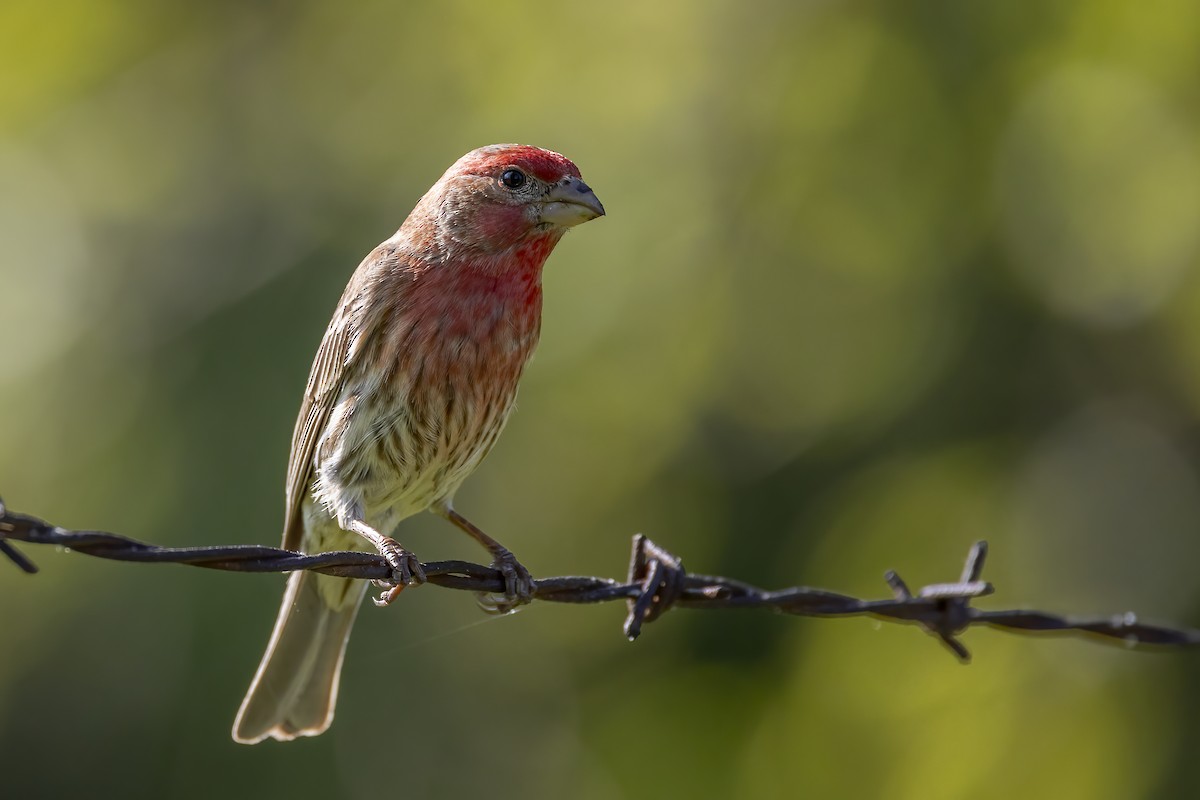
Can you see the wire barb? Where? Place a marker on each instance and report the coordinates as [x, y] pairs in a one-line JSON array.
[[655, 583], [660, 576]]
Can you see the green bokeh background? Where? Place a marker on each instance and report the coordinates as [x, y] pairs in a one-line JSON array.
[[877, 279]]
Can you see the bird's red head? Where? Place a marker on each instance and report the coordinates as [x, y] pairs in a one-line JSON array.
[[497, 198]]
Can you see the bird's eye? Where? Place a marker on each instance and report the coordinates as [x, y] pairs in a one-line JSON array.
[[513, 178]]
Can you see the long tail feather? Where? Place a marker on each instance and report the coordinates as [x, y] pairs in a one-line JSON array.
[[295, 689]]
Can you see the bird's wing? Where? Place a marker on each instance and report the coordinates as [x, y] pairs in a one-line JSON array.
[[325, 382]]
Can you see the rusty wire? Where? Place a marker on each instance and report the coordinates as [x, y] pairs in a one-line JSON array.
[[657, 581]]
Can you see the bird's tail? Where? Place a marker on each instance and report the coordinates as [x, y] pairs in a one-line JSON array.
[[295, 689]]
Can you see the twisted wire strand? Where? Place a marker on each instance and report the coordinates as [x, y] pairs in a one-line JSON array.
[[656, 582]]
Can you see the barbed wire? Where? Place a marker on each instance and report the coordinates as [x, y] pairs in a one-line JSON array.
[[656, 582]]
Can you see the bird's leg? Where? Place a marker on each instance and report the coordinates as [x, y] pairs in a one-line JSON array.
[[406, 567], [518, 583]]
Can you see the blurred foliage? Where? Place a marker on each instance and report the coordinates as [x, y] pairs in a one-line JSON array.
[[877, 279]]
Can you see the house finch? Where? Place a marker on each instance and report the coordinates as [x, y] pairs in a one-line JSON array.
[[409, 389]]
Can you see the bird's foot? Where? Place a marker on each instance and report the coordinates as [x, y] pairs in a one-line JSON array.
[[518, 585], [406, 570]]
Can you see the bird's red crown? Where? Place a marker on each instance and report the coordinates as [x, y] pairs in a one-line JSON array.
[[545, 165]]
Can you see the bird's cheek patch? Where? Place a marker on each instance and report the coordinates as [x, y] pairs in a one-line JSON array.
[[501, 224]]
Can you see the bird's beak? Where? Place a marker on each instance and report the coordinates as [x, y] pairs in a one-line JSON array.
[[570, 202]]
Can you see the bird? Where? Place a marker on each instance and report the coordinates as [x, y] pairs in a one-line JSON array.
[[412, 383]]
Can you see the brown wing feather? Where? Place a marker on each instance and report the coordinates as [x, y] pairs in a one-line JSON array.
[[325, 381]]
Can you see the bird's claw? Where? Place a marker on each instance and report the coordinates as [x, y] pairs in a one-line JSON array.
[[406, 571], [518, 586]]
